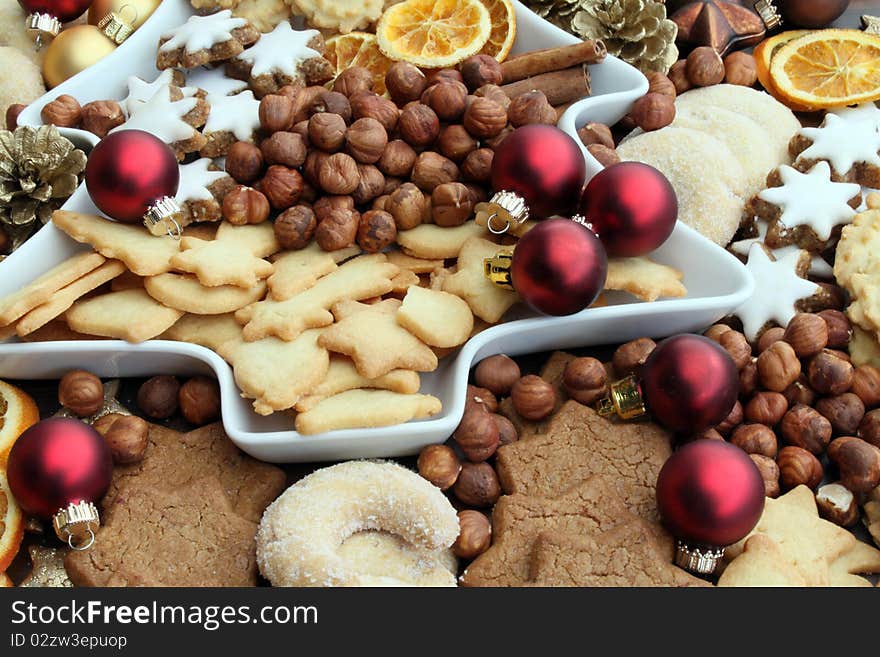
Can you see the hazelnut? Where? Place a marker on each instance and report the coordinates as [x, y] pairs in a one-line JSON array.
[[604, 155], [64, 112], [432, 169], [365, 140], [379, 203], [295, 227], [806, 428], [312, 166], [282, 186], [339, 174], [419, 125], [309, 193], [444, 75], [596, 133], [869, 429], [497, 373], [678, 76], [477, 485], [331, 102], [733, 419], [653, 111], [244, 162], [531, 107], [507, 433], [493, 92], [287, 148], [404, 82], [748, 379], [769, 473], [455, 143], [302, 98], [338, 229], [376, 230], [845, 412], [704, 67], [740, 69], [81, 393], [371, 184], [477, 435], [125, 435], [839, 353], [100, 116], [660, 84], [367, 104], [484, 118], [858, 462], [837, 504], [245, 205], [199, 400], [585, 380], [439, 465], [737, 346], [766, 408], [715, 331], [533, 398], [478, 192], [706, 434], [302, 129], [324, 205], [158, 397], [406, 204], [866, 384], [276, 113], [480, 399], [829, 374], [478, 70], [798, 467], [451, 204], [474, 534], [12, 113], [770, 336], [630, 357], [494, 142], [778, 366], [447, 99], [807, 334], [352, 80], [839, 328], [477, 166], [397, 159], [755, 439], [327, 131], [800, 392]]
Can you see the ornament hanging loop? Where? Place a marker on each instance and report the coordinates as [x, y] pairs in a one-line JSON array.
[[76, 525]]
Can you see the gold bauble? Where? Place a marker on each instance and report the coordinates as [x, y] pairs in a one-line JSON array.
[[73, 50], [131, 12]]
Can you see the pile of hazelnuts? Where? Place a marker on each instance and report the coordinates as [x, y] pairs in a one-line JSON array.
[[82, 394], [351, 166]]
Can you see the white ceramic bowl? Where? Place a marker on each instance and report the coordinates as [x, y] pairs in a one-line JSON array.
[[716, 281]]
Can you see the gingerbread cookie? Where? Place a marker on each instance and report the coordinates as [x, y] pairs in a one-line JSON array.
[[757, 233], [200, 192], [214, 81], [140, 91], [282, 57], [205, 39], [232, 119]]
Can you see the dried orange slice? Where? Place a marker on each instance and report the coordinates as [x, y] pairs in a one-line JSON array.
[[828, 68], [5, 582], [765, 50], [434, 34], [18, 411], [358, 49], [503, 34], [11, 525]]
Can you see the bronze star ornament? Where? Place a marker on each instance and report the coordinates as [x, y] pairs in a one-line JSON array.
[[724, 25]]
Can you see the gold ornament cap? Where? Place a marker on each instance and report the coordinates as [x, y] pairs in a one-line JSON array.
[[40, 26], [769, 14], [624, 400], [699, 559], [497, 269], [76, 525], [115, 28], [506, 210], [160, 218]]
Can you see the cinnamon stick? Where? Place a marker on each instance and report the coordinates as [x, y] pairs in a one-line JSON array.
[[560, 87], [552, 59]]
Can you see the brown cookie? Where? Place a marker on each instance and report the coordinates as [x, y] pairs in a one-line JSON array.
[[174, 460], [203, 40], [176, 536], [200, 193], [580, 443]]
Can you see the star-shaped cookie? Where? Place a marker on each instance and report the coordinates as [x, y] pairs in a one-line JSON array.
[[819, 267], [487, 301], [848, 142], [171, 118]]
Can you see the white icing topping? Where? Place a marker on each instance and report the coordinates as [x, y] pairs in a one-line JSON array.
[[237, 114], [214, 81], [162, 117], [195, 178], [819, 267], [812, 199], [777, 289], [140, 91], [201, 32], [843, 142], [281, 50], [866, 112]]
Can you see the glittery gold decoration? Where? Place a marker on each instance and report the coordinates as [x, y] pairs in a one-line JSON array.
[[871, 24], [48, 568]]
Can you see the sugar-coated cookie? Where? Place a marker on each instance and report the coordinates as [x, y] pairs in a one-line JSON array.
[[20, 79]]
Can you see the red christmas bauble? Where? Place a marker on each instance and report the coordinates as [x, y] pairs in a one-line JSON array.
[[811, 14], [710, 492], [632, 207], [559, 267], [128, 171], [57, 462], [689, 383], [542, 164], [63, 10]]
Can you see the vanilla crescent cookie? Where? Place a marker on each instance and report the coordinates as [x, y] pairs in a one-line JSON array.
[[301, 534], [205, 39]]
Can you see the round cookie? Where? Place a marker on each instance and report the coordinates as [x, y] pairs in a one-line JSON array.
[[383, 556], [707, 178], [20, 79], [13, 34]]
